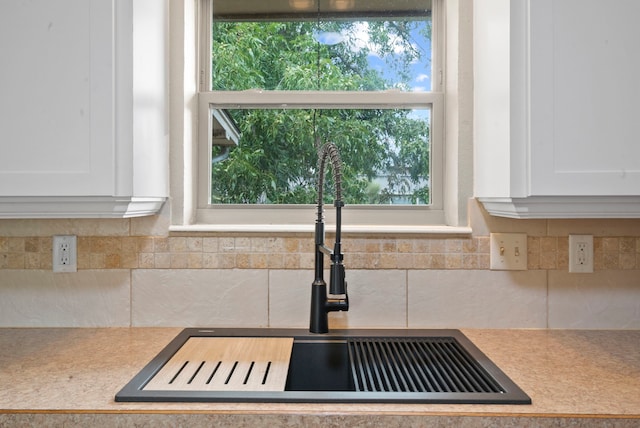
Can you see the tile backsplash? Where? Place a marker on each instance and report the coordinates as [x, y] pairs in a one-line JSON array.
[[196, 252], [133, 272]]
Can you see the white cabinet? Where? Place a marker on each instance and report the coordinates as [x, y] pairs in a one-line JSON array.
[[557, 108], [84, 108]]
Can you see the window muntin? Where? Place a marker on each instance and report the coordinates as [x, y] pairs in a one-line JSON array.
[[403, 97]]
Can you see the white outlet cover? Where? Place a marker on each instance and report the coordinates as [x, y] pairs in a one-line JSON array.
[[581, 263], [508, 251], [70, 253]]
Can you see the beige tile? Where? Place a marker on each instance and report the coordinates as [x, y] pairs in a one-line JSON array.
[[130, 244], [292, 245], [97, 261], [259, 245], [599, 300], [388, 261], [422, 246], [292, 261], [129, 260], [106, 244], [227, 244], [211, 261], [304, 260], [470, 245], [112, 261], [194, 244], [611, 244], [290, 298], [15, 261], [438, 261], [32, 245], [85, 245], [200, 298], [146, 260], [453, 261], [210, 245], [145, 244], [258, 261], [177, 244], [195, 260], [32, 260], [438, 246], [405, 245], [275, 245], [422, 261], [179, 261], [627, 261], [389, 246], [37, 298], [242, 245], [161, 245], [15, 245], [453, 246], [227, 261], [243, 261], [162, 261], [377, 299], [627, 245], [476, 299], [275, 261]]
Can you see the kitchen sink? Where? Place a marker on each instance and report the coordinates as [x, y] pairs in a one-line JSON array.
[[349, 366]]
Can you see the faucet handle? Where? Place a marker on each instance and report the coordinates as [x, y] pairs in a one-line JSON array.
[[337, 283]]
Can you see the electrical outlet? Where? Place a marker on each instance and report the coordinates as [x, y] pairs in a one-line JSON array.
[[65, 253], [581, 253], [508, 251]]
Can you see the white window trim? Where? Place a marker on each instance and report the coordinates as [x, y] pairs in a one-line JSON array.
[[190, 214]]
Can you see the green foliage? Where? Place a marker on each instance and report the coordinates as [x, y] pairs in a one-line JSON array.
[[275, 161]]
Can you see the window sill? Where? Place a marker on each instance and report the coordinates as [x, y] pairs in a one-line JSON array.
[[310, 228]]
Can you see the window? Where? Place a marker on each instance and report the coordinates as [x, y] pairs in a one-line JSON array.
[[278, 76]]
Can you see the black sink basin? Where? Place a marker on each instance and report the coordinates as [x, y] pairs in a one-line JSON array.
[[408, 366], [319, 366]]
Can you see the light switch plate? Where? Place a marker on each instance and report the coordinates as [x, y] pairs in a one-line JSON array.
[[508, 251]]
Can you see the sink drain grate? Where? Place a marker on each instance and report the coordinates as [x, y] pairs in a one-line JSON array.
[[428, 364]]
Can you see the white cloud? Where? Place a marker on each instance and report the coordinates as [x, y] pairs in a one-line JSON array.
[[360, 39], [422, 77], [328, 37]]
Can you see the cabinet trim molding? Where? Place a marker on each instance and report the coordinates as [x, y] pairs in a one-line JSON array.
[[79, 207], [564, 207]]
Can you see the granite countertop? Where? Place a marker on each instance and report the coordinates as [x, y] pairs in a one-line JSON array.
[[70, 376]]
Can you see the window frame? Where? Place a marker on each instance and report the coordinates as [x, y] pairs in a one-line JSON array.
[[295, 218]]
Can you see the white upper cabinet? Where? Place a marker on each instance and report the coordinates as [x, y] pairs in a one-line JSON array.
[[84, 108], [557, 111]]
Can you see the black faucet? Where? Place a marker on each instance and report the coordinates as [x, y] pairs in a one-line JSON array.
[[337, 298]]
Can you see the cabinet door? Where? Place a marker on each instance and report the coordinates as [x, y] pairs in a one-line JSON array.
[[585, 87], [56, 107]]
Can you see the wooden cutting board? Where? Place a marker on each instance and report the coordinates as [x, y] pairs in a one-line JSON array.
[[226, 364]]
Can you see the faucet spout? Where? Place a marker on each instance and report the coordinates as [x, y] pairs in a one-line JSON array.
[[321, 302]]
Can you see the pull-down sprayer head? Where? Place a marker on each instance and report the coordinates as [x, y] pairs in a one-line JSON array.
[[321, 305], [330, 150]]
